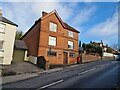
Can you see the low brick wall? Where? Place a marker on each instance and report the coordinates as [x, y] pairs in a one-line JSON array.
[[89, 57]]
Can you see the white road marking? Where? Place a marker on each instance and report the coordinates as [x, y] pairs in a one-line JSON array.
[[86, 71], [105, 65], [50, 84], [102, 65], [113, 61]]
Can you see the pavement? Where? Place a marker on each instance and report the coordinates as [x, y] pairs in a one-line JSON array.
[[14, 78], [24, 76], [20, 67]]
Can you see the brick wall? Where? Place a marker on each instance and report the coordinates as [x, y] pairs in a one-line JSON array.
[[61, 38], [89, 57], [32, 40]]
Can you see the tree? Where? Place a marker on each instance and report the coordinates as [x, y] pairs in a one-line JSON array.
[[79, 43], [19, 34], [83, 45], [99, 50]]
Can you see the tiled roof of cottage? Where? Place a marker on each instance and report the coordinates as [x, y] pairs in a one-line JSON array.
[[8, 21]]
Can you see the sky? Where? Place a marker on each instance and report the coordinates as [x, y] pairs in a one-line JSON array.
[[94, 20]]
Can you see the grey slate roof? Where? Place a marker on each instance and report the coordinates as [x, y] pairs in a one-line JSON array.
[[70, 28], [20, 44], [8, 21]]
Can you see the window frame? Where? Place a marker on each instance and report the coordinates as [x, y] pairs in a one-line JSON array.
[[1, 60], [49, 43], [1, 49], [70, 34], [53, 27], [72, 54], [72, 45], [52, 53]]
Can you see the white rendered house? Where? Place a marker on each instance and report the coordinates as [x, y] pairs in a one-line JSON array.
[[7, 38]]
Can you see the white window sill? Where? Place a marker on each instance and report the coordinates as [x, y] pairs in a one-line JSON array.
[[2, 32]]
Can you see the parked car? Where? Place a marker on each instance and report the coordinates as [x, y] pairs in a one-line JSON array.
[[115, 56], [118, 58]]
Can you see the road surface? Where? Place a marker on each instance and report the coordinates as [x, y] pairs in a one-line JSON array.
[[98, 74]]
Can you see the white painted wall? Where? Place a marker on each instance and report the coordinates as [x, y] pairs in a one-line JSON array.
[[26, 58], [105, 54], [8, 45]]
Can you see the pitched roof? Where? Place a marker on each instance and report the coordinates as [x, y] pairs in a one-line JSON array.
[[8, 21], [20, 44], [65, 25], [95, 43], [70, 28]]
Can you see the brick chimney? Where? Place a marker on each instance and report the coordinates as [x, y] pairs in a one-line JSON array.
[[44, 13]]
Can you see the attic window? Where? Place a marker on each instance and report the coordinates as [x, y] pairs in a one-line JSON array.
[[70, 33], [53, 27]]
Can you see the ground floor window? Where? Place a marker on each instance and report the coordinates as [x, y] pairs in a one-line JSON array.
[[1, 45], [1, 60], [51, 53], [72, 54]]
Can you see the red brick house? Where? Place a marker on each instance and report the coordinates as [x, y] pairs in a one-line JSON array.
[[104, 47], [50, 33]]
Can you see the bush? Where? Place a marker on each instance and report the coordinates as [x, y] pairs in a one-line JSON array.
[[93, 49]]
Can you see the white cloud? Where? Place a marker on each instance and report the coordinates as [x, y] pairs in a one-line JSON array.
[[63, 9], [84, 15], [105, 31], [37, 8]]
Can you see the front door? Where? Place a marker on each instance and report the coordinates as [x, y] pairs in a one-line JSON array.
[[65, 58]]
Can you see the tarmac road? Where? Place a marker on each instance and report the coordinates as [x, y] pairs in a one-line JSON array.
[[98, 74]]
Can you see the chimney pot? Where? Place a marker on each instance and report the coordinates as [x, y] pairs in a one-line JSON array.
[[44, 13]]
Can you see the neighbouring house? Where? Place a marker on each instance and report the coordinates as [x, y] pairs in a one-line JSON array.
[[105, 48], [7, 37], [107, 51], [52, 39], [20, 51]]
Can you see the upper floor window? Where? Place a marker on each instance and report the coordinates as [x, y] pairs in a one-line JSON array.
[[52, 41], [70, 45], [70, 33], [2, 28], [1, 45], [53, 27]]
